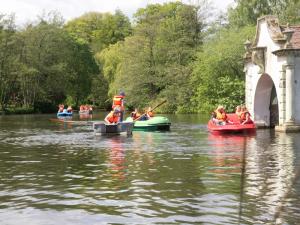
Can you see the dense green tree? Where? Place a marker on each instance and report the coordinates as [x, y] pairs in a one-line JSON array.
[[99, 29], [154, 63], [98, 94], [45, 49], [168, 53], [82, 69], [218, 71], [54, 66], [290, 14], [110, 59], [246, 12], [133, 73], [176, 45], [9, 62]]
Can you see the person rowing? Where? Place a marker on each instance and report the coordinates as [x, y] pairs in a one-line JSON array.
[[150, 113]]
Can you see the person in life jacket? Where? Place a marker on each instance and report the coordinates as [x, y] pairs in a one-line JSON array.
[[81, 108], [61, 108], [118, 101], [238, 111], [114, 116], [245, 117], [69, 109], [149, 113], [220, 116], [135, 114]]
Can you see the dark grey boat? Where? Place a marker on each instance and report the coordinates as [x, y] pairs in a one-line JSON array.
[[103, 128]]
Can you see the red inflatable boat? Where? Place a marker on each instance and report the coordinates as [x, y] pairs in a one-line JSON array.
[[236, 127]]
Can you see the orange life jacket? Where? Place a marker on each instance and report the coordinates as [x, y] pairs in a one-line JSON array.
[[112, 118], [221, 116], [118, 100], [150, 114]]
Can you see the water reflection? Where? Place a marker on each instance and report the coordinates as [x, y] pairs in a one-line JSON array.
[[66, 175], [266, 166], [227, 154], [85, 116], [116, 158], [270, 172]]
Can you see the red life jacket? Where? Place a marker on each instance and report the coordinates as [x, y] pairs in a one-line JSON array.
[[112, 118], [118, 100], [244, 115]]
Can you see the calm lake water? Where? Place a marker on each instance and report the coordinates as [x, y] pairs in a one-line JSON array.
[[59, 174]]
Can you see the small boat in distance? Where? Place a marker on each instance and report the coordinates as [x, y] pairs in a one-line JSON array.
[[64, 113], [85, 109], [235, 127]]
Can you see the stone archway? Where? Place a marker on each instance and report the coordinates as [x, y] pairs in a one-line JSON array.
[[272, 70], [274, 108], [265, 102]]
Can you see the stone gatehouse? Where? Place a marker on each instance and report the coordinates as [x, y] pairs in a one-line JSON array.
[[272, 68]]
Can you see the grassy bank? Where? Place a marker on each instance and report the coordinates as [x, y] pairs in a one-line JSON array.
[[17, 110]]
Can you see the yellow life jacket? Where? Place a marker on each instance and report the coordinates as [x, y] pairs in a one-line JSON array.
[[221, 116]]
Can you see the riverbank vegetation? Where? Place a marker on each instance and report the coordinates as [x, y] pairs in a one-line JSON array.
[[172, 51]]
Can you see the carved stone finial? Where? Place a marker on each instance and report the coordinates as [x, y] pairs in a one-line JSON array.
[[247, 46], [274, 29], [288, 33], [258, 58]]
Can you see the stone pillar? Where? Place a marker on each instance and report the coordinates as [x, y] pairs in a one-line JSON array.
[[281, 97], [290, 95]]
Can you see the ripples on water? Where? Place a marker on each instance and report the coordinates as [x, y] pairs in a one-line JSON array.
[[60, 174]]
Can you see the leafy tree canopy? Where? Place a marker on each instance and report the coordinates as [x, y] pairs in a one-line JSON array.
[[99, 29], [247, 12], [218, 71]]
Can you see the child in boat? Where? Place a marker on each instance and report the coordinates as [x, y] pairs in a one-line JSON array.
[[81, 108], [220, 116], [114, 116], [238, 111], [61, 108], [245, 117], [69, 109], [135, 114], [149, 113]]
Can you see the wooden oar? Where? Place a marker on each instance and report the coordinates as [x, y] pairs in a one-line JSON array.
[[151, 110]]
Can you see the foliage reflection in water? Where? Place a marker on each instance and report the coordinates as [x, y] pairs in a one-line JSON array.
[[55, 173]]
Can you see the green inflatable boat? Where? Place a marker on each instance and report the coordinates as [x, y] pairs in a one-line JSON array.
[[155, 123]]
